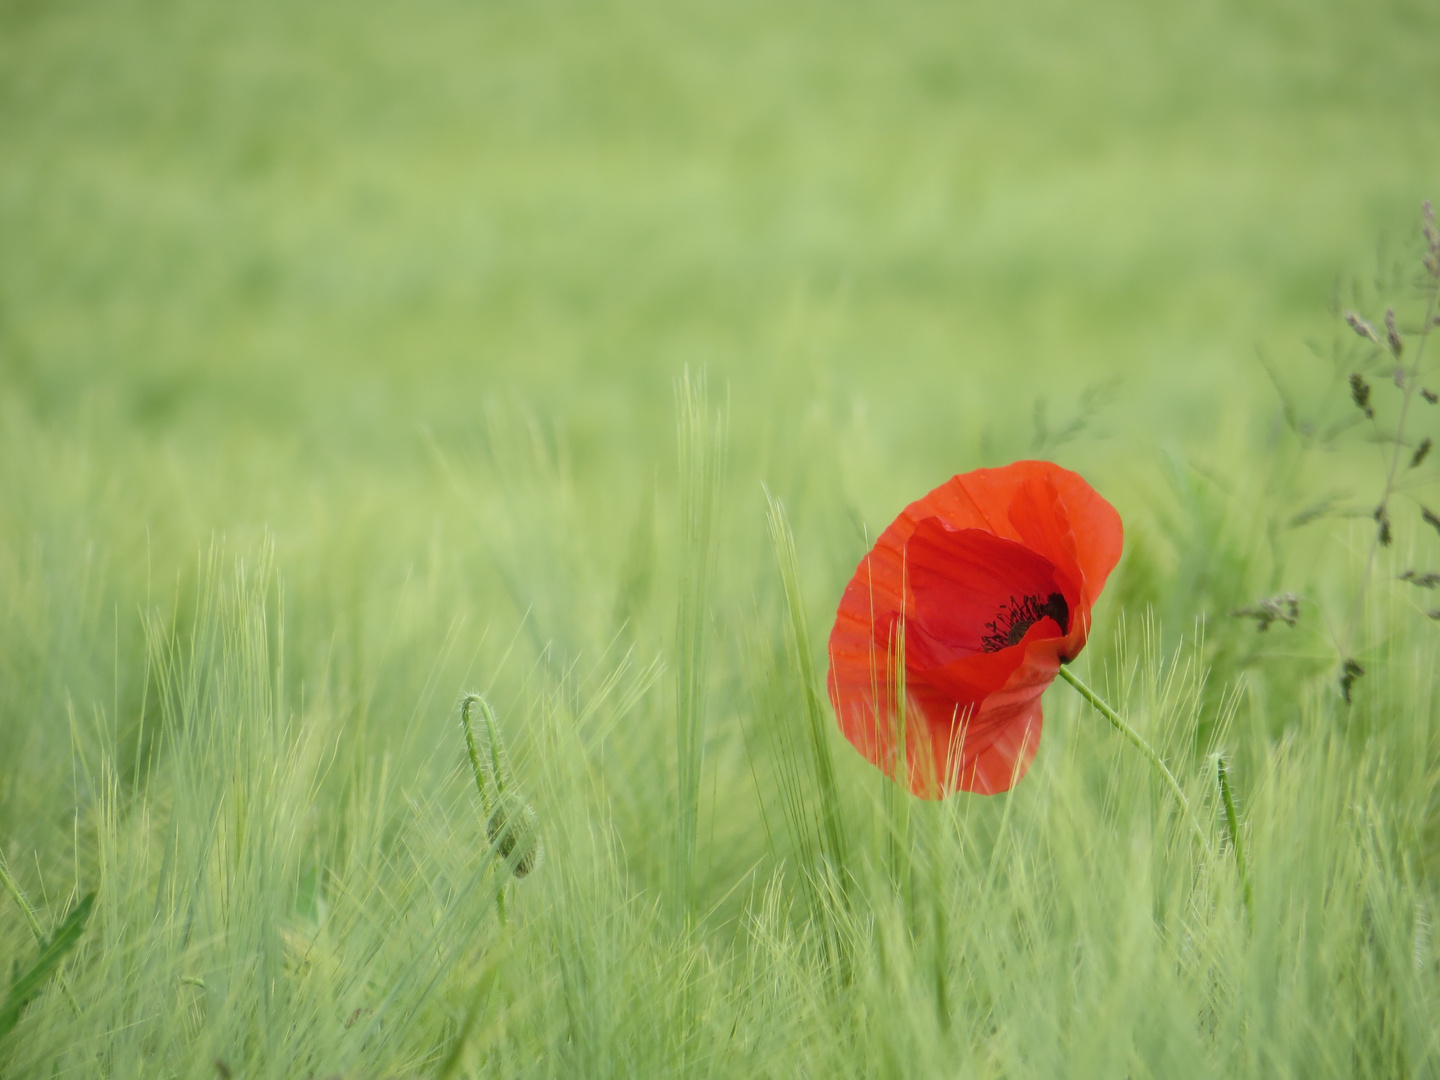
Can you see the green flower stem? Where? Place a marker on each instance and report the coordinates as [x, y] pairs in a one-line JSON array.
[[1144, 747], [473, 699]]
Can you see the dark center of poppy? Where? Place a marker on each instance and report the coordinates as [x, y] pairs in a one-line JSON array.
[[1016, 616]]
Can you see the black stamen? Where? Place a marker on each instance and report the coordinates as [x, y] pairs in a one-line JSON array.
[[1017, 616]]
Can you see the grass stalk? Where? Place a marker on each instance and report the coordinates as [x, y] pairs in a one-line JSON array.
[[701, 461], [833, 845], [1397, 448], [21, 902], [33, 922]]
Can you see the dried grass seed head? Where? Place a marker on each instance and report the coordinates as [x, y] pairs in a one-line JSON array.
[[1282, 608], [1361, 327], [1349, 672], [1360, 394], [1424, 581], [1429, 518], [1392, 334]]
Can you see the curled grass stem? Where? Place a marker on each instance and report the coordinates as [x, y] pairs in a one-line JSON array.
[[481, 769]]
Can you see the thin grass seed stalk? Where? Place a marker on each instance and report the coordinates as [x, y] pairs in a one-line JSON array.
[[1401, 351]]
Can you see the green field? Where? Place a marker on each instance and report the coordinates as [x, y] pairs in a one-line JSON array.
[[357, 356]]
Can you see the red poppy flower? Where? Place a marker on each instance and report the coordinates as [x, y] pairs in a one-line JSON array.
[[985, 587]]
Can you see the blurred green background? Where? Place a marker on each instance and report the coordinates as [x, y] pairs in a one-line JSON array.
[[388, 302], [326, 226]]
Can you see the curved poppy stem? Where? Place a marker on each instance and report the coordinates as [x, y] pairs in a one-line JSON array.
[[1140, 744]]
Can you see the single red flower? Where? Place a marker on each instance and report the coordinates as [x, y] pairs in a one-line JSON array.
[[985, 587]]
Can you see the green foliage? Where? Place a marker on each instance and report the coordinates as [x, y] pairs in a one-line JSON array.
[[26, 985], [338, 348], [701, 457]]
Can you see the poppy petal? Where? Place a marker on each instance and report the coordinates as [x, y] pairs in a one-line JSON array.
[[959, 583], [986, 584], [1003, 730]]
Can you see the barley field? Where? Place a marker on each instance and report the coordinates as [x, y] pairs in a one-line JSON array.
[[357, 358]]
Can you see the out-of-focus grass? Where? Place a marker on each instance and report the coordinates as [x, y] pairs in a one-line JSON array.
[[337, 361]]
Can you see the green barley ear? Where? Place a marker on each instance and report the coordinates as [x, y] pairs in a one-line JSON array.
[[511, 822], [1232, 829]]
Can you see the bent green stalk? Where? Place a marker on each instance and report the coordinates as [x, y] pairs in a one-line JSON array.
[[1140, 744], [480, 769]]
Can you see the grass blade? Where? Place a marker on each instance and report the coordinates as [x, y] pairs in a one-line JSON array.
[[28, 985], [701, 458]]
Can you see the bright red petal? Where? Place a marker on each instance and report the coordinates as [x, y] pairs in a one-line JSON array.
[[941, 570], [958, 580]]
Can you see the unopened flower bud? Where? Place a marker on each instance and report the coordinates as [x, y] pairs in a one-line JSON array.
[[515, 832], [511, 825]]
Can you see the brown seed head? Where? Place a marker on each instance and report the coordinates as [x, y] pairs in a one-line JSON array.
[[1430, 519], [1360, 394], [1392, 335], [1283, 608], [1349, 672], [1361, 327], [1421, 581]]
